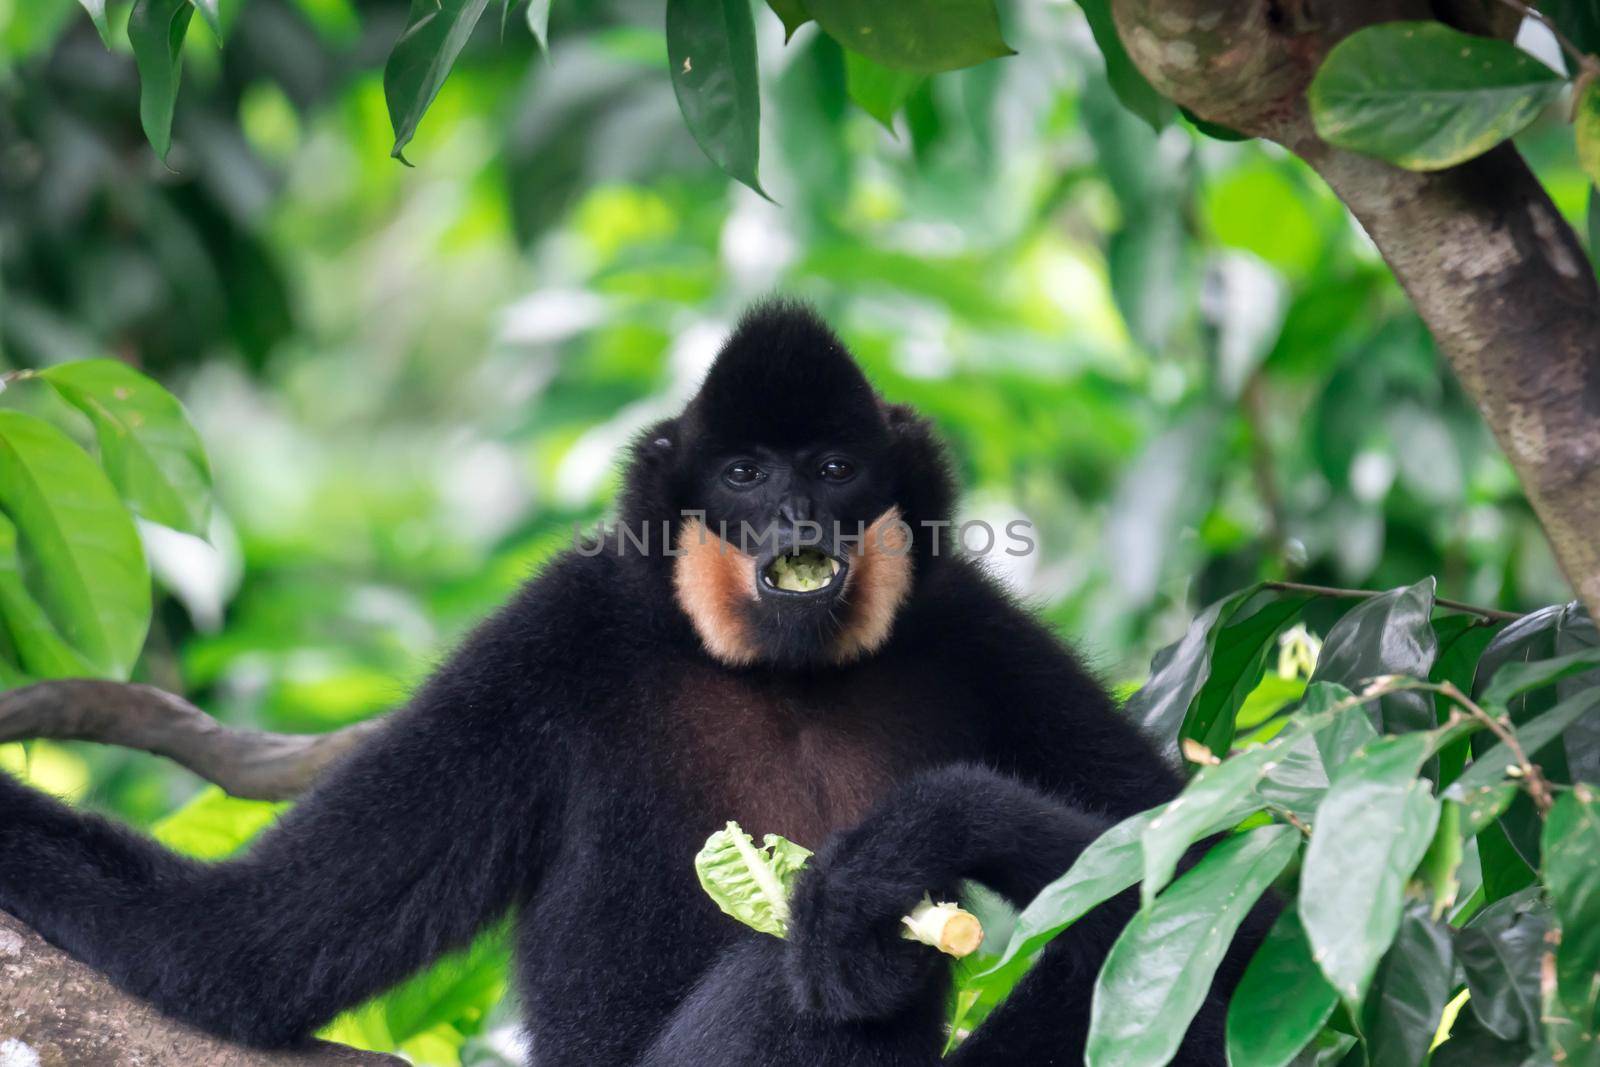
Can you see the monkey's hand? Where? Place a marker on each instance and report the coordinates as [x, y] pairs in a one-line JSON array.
[[847, 958]]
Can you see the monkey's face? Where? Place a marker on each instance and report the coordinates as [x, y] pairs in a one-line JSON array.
[[795, 492], [800, 557]]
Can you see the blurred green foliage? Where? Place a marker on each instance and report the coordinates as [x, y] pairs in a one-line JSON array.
[[1178, 357]]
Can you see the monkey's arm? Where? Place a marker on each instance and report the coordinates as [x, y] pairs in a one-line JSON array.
[[403, 852]]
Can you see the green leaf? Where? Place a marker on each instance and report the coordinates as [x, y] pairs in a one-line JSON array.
[[538, 16], [880, 91], [1402, 1012], [1426, 96], [913, 35], [1104, 869], [38, 647], [1160, 969], [1586, 130], [1215, 131], [78, 546], [1442, 863], [1578, 19], [1515, 679], [1238, 663], [1136, 93], [213, 825], [436, 32], [1281, 1002], [751, 884], [1220, 795], [711, 47], [97, 15], [1472, 1045], [458, 990], [1387, 634], [208, 11], [1594, 228], [1499, 951], [1371, 830], [155, 30], [1482, 790], [1178, 673], [147, 445], [792, 13], [1572, 874]]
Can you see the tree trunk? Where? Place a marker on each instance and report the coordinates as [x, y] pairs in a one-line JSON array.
[[1495, 272], [57, 1012]]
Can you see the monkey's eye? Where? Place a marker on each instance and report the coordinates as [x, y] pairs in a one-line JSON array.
[[836, 470], [743, 475]]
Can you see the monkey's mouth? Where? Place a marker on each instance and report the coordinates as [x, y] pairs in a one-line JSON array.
[[801, 570]]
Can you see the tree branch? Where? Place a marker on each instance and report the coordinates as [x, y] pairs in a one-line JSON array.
[[55, 1012], [253, 764], [1497, 275]]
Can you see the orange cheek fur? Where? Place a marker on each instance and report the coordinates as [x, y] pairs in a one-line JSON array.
[[875, 587], [715, 583]]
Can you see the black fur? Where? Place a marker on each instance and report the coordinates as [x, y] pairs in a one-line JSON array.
[[568, 761]]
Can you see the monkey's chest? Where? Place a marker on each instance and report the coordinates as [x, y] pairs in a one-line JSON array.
[[796, 758]]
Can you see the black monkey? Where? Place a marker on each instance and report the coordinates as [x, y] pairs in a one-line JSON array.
[[897, 712]]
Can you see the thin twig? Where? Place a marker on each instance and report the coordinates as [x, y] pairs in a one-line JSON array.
[[1584, 61], [1363, 594], [253, 764], [1538, 788]]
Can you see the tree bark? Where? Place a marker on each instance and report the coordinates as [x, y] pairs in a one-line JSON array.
[[1496, 274], [57, 1012], [253, 764]]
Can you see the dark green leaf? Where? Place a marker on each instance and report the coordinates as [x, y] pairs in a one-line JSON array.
[[1499, 952], [1178, 673], [1482, 790], [1160, 969], [1504, 870], [1427, 96], [156, 29], [711, 46], [88, 569], [1578, 19], [147, 445], [1281, 1002], [908, 35], [1462, 640], [880, 91], [1387, 634], [436, 32], [1237, 664], [1377, 819], [1515, 679], [792, 13], [1136, 94], [1410, 991], [1471, 1044], [1572, 873], [1212, 129], [97, 15]]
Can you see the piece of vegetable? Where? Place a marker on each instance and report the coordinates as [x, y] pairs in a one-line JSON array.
[[753, 885]]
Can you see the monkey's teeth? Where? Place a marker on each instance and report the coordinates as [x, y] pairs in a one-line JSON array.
[[833, 565]]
